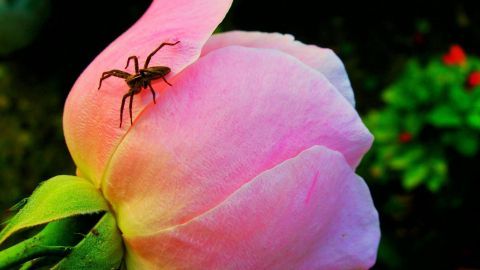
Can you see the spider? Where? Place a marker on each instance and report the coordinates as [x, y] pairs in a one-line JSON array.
[[140, 80]]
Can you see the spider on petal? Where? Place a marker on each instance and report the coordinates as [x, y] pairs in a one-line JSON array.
[[140, 80]]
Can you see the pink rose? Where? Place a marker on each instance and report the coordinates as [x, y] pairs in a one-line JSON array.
[[246, 162]]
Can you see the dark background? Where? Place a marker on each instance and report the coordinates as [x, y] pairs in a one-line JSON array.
[[430, 231]]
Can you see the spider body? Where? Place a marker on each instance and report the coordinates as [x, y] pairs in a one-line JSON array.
[[145, 76], [141, 79]]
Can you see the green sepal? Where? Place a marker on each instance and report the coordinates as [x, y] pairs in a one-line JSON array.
[[102, 248], [57, 198]]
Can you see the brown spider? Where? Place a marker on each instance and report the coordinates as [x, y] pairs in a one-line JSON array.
[[140, 80]]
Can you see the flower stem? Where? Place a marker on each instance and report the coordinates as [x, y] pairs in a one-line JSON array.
[[27, 250]]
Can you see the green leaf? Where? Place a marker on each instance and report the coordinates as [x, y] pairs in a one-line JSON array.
[[383, 125], [102, 248], [460, 98], [439, 166], [473, 119], [407, 158], [444, 116], [436, 182], [394, 96], [415, 175], [412, 122], [60, 197], [467, 144]]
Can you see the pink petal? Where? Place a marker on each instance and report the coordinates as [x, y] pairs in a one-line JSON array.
[[309, 212], [321, 59], [91, 117], [230, 116]]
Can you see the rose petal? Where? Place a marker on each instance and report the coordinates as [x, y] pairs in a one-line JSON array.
[[91, 117], [321, 59], [230, 116], [310, 212]]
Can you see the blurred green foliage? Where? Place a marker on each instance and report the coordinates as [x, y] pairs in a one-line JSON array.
[[428, 109], [20, 21], [32, 147]]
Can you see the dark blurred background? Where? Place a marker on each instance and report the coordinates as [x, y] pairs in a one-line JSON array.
[[419, 96]]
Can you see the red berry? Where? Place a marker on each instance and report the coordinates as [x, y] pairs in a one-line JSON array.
[[456, 56], [473, 79], [405, 137]]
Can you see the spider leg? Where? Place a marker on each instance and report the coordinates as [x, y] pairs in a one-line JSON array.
[[130, 107], [165, 80], [135, 62], [115, 73], [153, 93], [123, 105], [156, 50]]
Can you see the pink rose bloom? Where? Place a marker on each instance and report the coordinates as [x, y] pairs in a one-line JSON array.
[[246, 162]]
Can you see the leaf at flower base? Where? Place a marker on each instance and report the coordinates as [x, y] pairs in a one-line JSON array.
[[102, 248], [59, 197]]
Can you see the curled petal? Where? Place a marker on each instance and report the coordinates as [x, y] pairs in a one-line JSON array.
[[230, 116], [309, 212], [322, 59], [91, 117]]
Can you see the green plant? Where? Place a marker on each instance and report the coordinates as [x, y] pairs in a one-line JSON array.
[[431, 109]]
